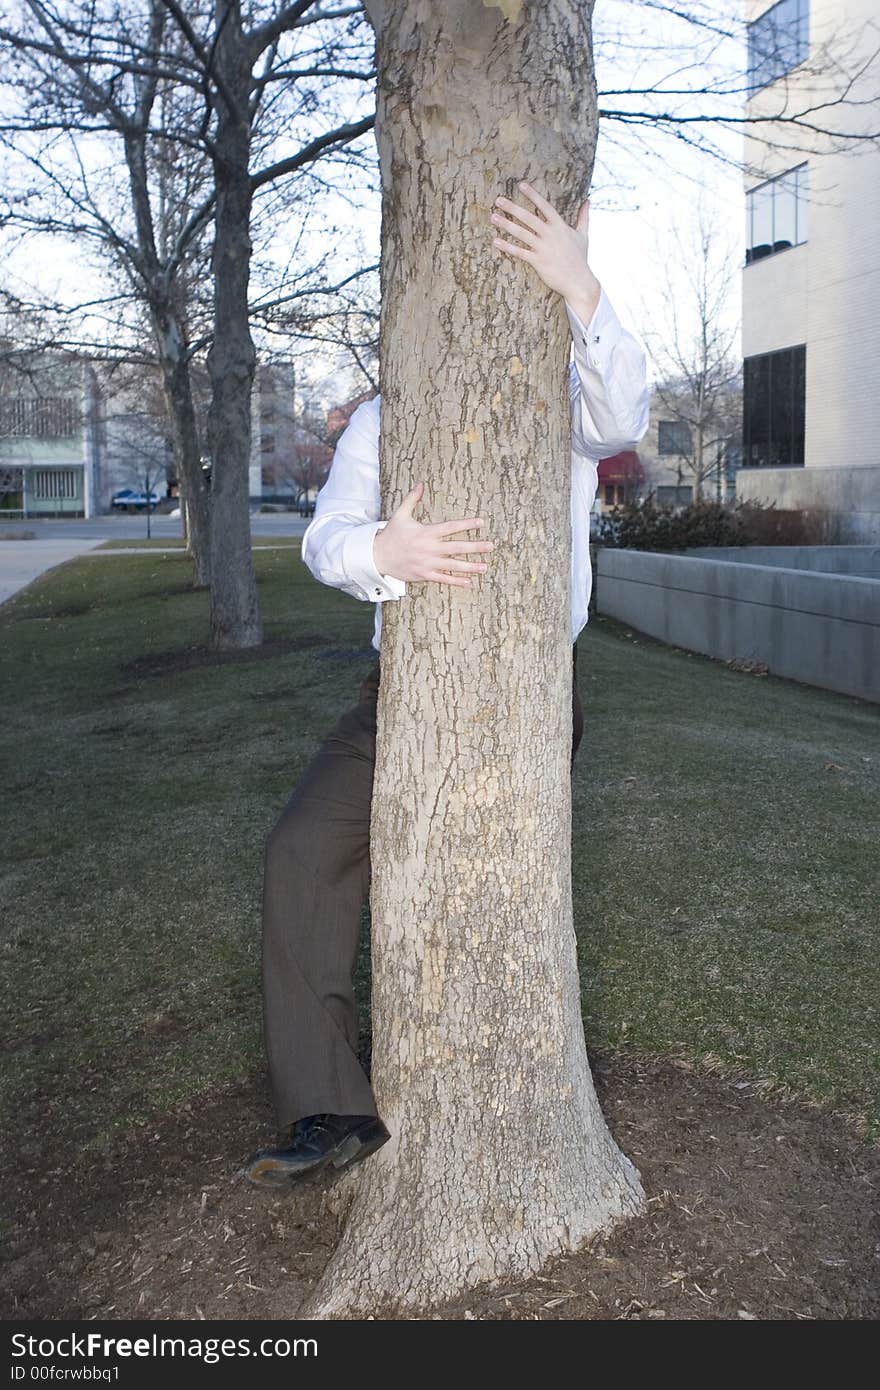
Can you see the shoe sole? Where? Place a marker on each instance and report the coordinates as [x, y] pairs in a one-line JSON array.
[[353, 1149], [269, 1172]]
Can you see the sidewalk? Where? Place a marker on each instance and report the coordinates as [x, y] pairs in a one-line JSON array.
[[21, 562]]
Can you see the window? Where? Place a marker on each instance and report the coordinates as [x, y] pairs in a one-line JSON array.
[[778, 41], [776, 214], [615, 494], [267, 443], [39, 417], [673, 437], [54, 484], [671, 496], [774, 395]]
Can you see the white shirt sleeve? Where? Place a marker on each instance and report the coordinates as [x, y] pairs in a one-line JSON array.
[[608, 384], [609, 413], [338, 542]]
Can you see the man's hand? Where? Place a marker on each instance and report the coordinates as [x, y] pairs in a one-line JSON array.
[[557, 251], [412, 550]]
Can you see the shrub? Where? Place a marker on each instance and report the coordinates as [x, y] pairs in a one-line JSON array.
[[646, 525]]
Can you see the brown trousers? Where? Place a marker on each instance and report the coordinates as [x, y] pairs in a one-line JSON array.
[[316, 880]]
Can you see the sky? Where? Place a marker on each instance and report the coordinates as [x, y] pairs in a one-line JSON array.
[[646, 186]]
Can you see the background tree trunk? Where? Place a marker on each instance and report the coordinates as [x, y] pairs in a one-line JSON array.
[[499, 1156], [235, 607], [177, 386]]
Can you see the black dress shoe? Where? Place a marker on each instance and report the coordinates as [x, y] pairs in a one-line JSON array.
[[317, 1141]]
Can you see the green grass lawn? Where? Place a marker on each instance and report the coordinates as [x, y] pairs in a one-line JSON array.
[[725, 831]]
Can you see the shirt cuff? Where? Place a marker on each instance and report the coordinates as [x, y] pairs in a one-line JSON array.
[[594, 341], [359, 565]]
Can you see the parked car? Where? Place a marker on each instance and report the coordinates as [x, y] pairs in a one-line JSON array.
[[128, 500], [306, 508]]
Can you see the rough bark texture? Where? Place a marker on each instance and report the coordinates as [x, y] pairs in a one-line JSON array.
[[177, 386], [159, 279], [235, 609], [499, 1156]]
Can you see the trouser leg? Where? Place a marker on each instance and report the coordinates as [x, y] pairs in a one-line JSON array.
[[316, 879]]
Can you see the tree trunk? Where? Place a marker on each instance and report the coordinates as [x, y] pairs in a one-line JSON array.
[[499, 1156], [177, 386], [235, 608], [699, 464], [162, 286]]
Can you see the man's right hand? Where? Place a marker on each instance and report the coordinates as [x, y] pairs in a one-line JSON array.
[[412, 550]]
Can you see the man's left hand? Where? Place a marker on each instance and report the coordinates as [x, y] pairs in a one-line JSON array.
[[557, 251]]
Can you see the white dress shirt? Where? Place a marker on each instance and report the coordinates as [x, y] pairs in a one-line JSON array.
[[609, 413]]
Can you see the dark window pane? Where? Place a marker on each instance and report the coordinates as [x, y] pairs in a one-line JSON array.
[[674, 496], [780, 408], [773, 409], [799, 401], [756, 412], [673, 437]]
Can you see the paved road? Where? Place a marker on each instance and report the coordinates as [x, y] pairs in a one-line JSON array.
[[22, 561]]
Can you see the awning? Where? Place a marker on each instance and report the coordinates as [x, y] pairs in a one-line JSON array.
[[625, 467]]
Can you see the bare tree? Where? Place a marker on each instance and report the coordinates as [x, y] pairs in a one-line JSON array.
[[101, 80], [299, 453], [137, 435], [342, 319], [197, 103], [303, 470], [242, 57], [698, 369]]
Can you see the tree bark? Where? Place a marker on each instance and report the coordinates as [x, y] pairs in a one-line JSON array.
[[235, 608], [499, 1156], [160, 282], [177, 386]]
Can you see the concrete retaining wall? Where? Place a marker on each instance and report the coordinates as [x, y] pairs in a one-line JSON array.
[[823, 629], [827, 559], [851, 495]]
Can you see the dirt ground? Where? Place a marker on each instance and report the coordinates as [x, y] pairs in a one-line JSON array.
[[758, 1208]]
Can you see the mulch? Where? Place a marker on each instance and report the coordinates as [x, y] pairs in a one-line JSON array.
[[758, 1207]]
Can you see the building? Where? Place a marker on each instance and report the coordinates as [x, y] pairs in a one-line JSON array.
[[50, 435], [74, 433], [273, 433], [669, 448], [811, 281]]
